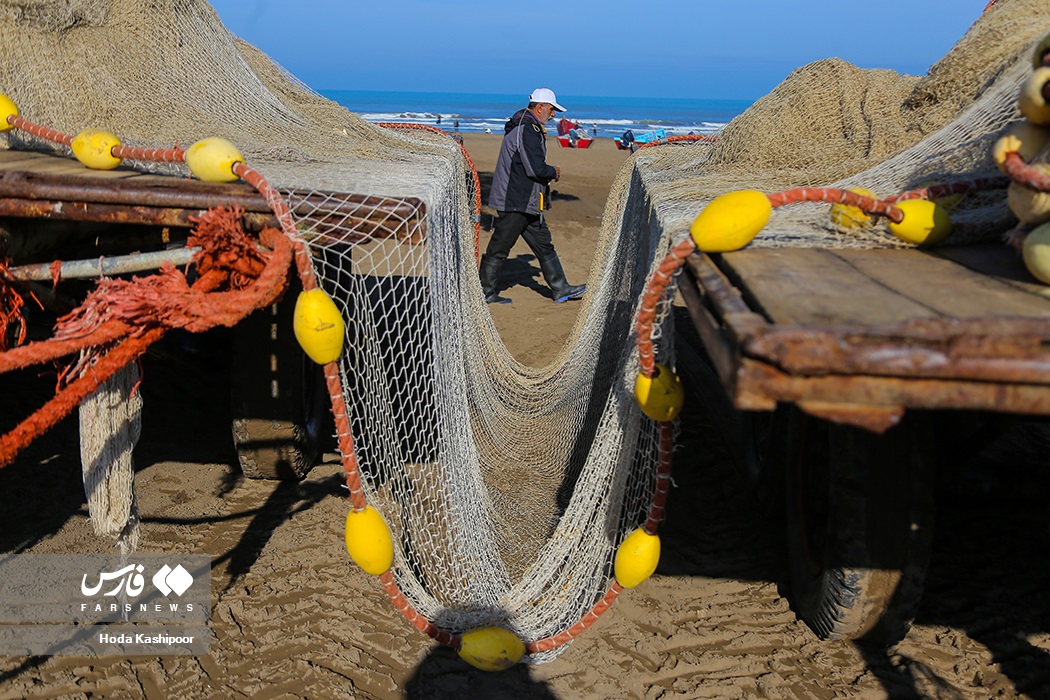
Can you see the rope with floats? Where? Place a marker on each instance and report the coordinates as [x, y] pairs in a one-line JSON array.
[[320, 330], [727, 223]]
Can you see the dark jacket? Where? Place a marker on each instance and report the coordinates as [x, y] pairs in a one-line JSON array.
[[522, 172]]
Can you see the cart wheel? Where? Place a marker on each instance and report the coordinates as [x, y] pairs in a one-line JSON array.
[[280, 404], [859, 527], [762, 456]]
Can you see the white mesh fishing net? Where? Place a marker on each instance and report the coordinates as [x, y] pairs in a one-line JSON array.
[[507, 487]]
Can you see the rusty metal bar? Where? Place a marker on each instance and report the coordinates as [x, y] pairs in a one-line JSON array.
[[178, 193], [29, 189], [963, 351], [102, 213], [104, 266], [759, 384]]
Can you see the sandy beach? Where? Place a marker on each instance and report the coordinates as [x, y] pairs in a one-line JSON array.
[[293, 617]]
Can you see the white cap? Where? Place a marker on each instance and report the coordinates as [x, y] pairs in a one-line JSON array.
[[546, 95]]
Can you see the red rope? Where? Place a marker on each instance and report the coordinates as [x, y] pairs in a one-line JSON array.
[[136, 314], [48, 415], [156, 155], [43, 132], [678, 139], [654, 292], [585, 623], [1024, 174], [951, 188], [832, 195], [397, 598], [11, 316], [473, 173], [662, 479]]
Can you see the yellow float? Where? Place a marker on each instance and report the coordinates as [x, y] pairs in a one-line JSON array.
[[94, 148], [924, 222], [212, 160], [491, 648], [731, 221], [636, 558], [660, 396], [318, 326], [368, 541]]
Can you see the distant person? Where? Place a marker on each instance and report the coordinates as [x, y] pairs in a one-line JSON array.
[[438, 119], [455, 125], [520, 192], [627, 141]]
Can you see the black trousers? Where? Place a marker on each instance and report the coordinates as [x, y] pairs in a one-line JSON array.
[[512, 224]]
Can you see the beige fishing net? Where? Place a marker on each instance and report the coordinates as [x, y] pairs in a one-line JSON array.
[[507, 487]]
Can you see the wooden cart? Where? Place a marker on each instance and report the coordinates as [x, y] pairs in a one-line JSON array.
[[122, 221], [828, 355]]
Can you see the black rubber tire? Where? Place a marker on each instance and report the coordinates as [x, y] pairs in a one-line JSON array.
[[859, 510], [762, 454], [280, 406]]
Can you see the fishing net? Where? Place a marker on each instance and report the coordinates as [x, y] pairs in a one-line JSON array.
[[507, 487], [832, 124]]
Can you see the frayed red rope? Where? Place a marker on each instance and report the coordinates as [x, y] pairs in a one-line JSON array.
[[134, 314]]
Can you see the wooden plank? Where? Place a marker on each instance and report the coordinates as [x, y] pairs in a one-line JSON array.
[[999, 261], [812, 287], [759, 383], [54, 165], [950, 289]]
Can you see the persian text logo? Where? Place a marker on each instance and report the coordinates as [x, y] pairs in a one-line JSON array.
[[130, 580]]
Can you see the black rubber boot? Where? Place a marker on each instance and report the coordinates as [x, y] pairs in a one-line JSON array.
[[555, 276], [489, 273]]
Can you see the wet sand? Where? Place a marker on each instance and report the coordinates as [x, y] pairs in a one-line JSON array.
[[292, 616]]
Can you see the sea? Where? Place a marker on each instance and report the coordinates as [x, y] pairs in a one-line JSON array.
[[487, 113]]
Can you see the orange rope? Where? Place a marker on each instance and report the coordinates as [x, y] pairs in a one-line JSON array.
[[39, 131], [1024, 174], [832, 195], [156, 155], [397, 598], [586, 622], [678, 139], [947, 189], [651, 297], [473, 173]]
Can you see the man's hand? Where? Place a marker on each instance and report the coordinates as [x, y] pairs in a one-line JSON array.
[[557, 173]]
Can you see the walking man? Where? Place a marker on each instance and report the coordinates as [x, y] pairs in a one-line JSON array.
[[520, 192]]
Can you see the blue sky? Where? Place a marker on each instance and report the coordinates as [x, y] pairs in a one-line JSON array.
[[736, 49]]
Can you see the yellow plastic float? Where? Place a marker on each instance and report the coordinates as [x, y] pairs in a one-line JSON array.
[[731, 221], [94, 148], [636, 558], [8, 109], [491, 648], [924, 222], [318, 326], [368, 541], [660, 396], [212, 160], [849, 217]]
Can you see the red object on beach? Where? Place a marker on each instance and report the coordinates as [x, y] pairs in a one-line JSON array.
[[565, 142]]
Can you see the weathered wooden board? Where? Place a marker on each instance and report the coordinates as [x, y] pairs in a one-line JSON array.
[[808, 287], [44, 186], [860, 335]]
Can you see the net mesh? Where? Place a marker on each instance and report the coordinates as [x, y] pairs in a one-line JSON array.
[[507, 487]]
